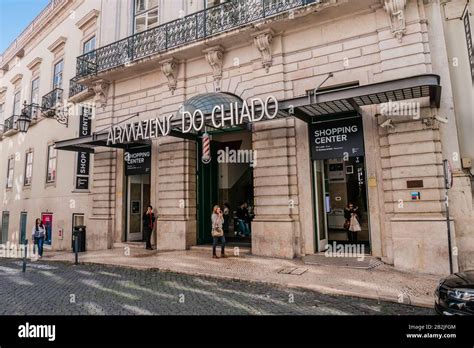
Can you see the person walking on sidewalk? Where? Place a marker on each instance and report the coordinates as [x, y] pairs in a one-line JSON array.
[[217, 231], [38, 234], [148, 224]]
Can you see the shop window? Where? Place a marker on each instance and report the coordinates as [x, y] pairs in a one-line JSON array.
[[10, 172], [28, 168], [146, 15], [51, 165]]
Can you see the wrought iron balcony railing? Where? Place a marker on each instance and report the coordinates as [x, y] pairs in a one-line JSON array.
[[9, 123], [75, 87], [52, 99], [200, 25]]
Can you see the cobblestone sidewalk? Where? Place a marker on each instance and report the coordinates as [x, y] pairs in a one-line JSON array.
[[59, 288], [381, 283]]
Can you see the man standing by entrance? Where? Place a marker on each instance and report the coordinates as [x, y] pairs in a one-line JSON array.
[[148, 223]]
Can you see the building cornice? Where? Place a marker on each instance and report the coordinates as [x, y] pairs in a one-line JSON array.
[[33, 29]]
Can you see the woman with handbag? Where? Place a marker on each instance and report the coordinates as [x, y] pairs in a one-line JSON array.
[[217, 231], [38, 235], [352, 223]]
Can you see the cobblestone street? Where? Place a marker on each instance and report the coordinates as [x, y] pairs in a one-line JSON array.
[[55, 288]]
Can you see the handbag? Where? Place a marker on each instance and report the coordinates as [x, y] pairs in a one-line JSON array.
[[355, 226], [217, 232]]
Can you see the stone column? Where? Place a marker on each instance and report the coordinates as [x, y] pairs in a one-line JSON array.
[[275, 229], [176, 194]]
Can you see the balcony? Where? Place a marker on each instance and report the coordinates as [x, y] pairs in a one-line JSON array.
[[78, 91], [52, 99], [194, 27], [9, 125]]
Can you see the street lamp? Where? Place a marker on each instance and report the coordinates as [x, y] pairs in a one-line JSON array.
[[23, 121]]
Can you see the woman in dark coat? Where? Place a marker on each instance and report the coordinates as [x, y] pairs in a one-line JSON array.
[[148, 224], [349, 211]]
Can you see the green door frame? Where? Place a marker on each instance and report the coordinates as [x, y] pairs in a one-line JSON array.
[[23, 218], [207, 181], [4, 226]]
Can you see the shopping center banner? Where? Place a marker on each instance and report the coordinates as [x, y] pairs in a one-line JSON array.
[[137, 161], [337, 139], [83, 158]]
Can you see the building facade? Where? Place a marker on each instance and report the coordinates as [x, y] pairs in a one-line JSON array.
[[333, 102]]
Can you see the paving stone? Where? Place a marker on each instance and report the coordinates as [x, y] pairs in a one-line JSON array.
[[56, 288]]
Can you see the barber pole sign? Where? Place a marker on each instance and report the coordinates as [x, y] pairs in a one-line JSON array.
[[206, 149]]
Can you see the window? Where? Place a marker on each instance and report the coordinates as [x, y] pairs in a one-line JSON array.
[[146, 14], [51, 170], [28, 168], [17, 103], [89, 45], [211, 3], [35, 91], [58, 75], [1, 114], [10, 172]]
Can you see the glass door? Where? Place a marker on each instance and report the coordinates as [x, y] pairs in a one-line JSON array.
[[138, 199], [321, 206]]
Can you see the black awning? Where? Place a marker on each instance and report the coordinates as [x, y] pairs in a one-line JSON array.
[[314, 105], [87, 144], [348, 100]]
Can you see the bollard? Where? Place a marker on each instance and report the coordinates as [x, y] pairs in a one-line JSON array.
[[25, 254]]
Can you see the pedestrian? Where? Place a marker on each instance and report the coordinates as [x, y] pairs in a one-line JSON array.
[[352, 222], [217, 231], [243, 219], [38, 234], [226, 218], [148, 224]]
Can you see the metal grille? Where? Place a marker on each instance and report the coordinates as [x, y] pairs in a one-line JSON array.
[[196, 26]]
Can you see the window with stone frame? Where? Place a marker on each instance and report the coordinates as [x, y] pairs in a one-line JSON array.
[[28, 168], [10, 166], [146, 15], [17, 103], [51, 165], [88, 45]]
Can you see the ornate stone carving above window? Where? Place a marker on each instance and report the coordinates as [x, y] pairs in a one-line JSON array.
[[215, 58], [16, 80], [263, 40], [57, 45], [396, 11], [101, 89], [34, 65], [88, 20], [169, 67]]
